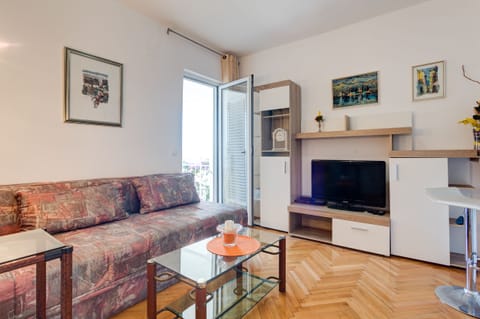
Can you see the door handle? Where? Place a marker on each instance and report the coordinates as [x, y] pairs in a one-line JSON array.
[[285, 168], [359, 228]]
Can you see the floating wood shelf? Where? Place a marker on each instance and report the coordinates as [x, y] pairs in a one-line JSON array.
[[464, 186], [436, 153], [356, 133]]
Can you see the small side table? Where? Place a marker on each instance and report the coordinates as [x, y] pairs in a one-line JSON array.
[[37, 247], [466, 300]]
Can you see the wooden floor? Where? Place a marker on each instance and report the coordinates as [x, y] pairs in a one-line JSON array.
[[325, 281]]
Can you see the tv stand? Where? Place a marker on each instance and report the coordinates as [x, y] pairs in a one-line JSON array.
[[368, 232]]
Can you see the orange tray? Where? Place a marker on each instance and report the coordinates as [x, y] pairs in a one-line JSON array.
[[245, 245]]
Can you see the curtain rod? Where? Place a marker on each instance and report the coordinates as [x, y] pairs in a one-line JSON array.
[[223, 55]]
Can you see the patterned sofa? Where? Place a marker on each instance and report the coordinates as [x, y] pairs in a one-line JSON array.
[[114, 226]]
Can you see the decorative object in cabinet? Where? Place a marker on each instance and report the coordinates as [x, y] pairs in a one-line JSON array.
[[275, 128]]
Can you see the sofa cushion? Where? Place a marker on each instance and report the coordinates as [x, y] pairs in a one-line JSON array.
[[8, 212], [72, 209], [162, 191], [133, 204]]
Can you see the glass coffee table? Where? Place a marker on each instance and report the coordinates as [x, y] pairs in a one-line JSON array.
[[221, 286]]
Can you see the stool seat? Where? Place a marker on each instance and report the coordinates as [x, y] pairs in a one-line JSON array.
[[466, 300]]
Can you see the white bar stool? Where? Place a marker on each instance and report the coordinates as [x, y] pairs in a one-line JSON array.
[[466, 300]]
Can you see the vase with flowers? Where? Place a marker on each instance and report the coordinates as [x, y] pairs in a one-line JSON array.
[[474, 121], [319, 118]]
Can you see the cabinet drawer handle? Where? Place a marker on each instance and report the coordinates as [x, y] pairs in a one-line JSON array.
[[359, 228]]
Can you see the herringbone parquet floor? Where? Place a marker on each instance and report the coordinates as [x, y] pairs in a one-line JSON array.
[[329, 282]]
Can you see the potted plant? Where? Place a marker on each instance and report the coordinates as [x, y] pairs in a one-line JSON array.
[[474, 121]]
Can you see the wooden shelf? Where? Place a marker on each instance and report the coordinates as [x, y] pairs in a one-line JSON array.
[[356, 133], [464, 186], [452, 222], [436, 153], [276, 116], [313, 234], [324, 211]]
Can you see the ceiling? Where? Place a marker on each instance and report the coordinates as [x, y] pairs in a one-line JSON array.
[[243, 27]]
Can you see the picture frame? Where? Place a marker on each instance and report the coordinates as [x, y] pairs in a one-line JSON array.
[[93, 89], [428, 81], [360, 89]]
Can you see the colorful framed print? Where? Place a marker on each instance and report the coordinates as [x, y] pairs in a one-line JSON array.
[[428, 81], [353, 90], [93, 89]]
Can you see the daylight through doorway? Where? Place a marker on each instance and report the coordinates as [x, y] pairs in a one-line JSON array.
[[198, 135]]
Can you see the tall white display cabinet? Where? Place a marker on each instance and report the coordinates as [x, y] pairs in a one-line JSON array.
[[419, 227], [279, 107]]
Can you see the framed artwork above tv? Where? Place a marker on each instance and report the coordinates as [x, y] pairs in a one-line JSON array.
[[428, 81], [353, 90]]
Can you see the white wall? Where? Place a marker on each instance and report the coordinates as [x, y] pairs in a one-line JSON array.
[[35, 143], [390, 44]]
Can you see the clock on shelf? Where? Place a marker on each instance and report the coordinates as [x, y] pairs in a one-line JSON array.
[[280, 139]]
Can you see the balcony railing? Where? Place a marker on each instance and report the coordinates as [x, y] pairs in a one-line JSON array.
[[203, 178]]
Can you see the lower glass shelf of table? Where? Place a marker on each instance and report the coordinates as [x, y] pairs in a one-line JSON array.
[[230, 300]]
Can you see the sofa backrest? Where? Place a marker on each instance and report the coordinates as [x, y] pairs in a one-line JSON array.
[[10, 219]]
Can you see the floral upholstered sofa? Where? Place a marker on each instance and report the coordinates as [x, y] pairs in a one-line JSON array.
[[114, 226]]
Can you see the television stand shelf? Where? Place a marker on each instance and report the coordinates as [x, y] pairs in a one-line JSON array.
[[357, 230]]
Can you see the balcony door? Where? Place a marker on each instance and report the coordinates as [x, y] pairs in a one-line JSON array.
[[235, 144]]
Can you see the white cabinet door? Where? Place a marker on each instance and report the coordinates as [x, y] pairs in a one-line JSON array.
[[275, 98], [419, 227], [274, 191], [367, 237]]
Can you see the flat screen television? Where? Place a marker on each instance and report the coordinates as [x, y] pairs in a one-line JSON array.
[[346, 184]]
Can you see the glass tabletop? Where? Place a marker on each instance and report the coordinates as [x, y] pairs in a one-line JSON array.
[[25, 244], [194, 262]]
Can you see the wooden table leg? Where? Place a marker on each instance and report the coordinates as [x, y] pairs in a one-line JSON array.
[[282, 267], [41, 289], [151, 290], [201, 301], [66, 296], [239, 278]]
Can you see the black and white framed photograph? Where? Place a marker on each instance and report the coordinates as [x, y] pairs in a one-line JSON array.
[[93, 89]]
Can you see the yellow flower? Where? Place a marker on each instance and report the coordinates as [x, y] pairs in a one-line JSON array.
[[474, 123], [319, 117]]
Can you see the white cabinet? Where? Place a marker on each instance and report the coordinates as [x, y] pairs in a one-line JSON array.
[[361, 236], [275, 98], [419, 227], [275, 190], [279, 111]]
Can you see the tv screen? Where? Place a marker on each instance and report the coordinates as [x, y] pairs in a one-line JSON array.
[[349, 183]]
